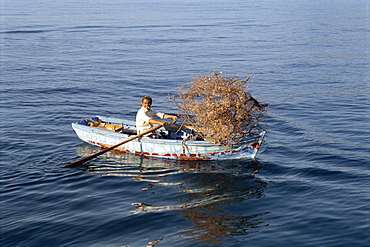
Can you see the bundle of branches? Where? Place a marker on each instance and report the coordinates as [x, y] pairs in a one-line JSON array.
[[221, 108]]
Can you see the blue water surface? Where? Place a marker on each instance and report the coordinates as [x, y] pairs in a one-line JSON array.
[[62, 61]]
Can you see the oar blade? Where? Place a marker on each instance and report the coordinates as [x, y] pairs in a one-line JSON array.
[[83, 160], [75, 164]]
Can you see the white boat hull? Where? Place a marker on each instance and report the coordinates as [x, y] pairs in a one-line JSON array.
[[167, 148]]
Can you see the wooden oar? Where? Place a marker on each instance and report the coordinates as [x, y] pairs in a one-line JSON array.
[[181, 125], [83, 160]]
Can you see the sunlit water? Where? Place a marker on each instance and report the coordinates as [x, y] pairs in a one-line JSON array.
[[62, 61]]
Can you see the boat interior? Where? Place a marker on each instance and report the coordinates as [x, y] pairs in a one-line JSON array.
[[171, 131]]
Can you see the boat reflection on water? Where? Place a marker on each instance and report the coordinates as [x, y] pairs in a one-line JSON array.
[[213, 195]]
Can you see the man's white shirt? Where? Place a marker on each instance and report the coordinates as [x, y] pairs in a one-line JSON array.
[[143, 117]]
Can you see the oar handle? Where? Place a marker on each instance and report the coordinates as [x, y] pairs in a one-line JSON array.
[[182, 125], [83, 160]]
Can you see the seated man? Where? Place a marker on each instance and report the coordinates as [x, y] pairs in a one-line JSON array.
[[145, 116]]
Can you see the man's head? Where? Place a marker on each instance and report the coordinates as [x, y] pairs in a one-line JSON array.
[[146, 102]]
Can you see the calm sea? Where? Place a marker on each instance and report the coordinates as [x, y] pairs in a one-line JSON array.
[[62, 61]]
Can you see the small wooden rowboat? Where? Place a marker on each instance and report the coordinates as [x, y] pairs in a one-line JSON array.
[[176, 143]]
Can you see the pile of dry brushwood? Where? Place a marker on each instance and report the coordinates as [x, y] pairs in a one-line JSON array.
[[220, 108]]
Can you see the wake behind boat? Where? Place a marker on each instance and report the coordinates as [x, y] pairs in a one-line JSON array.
[[176, 142]]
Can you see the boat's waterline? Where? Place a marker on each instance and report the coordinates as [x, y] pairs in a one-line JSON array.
[[168, 148]]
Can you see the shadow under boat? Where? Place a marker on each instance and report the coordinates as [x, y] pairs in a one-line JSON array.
[[205, 182], [206, 191]]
